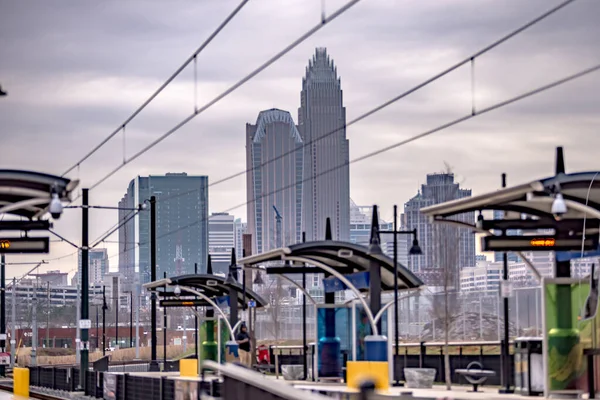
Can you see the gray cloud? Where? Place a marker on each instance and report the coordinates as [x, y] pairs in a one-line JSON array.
[[75, 70]]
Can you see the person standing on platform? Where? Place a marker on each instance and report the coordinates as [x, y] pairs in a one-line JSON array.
[[243, 340]]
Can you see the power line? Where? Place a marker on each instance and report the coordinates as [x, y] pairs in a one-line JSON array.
[[231, 89], [98, 241], [393, 100], [164, 85], [406, 93], [414, 138]]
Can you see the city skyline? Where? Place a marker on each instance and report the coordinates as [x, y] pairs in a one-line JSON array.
[[72, 76]]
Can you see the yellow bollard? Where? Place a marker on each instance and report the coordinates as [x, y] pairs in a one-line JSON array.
[[21, 382], [188, 367], [359, 371]]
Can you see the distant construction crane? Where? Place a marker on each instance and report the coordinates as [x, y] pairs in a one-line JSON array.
[[278, 233]]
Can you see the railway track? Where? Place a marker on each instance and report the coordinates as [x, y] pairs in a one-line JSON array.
[[32, 393]]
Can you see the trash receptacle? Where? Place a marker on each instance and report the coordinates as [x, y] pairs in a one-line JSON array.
[[529, 366], [376, 348]]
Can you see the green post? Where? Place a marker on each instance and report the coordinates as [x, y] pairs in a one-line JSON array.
[[564, 352], [209, 346]]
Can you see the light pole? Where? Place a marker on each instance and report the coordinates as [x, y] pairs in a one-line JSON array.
[[131, 319], [117, 310], [506, 389], [104, 308], [2, 310], [415, 249], [85, 281], [153, 357]]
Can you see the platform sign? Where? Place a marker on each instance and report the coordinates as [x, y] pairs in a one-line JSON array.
[[537, 243], [4, 358], [21, 245], [85, 324], [182, 303]]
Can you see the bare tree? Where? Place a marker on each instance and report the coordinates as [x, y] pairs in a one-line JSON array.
[[274, 294]]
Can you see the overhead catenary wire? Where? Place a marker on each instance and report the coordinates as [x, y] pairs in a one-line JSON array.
[[401, 143], [407, 92], [395, 99], [160, 89], [231, 89], [369, 113]]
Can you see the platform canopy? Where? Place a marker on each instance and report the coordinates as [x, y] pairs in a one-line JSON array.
[[28, 194], [580, 191], [346, 258], [212, 286], [535, 205]]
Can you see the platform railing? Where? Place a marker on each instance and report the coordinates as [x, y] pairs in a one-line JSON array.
[[240, 383]]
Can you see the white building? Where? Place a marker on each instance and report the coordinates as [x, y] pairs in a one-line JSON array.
[[240, 229], [98, 266], [483, 277], [221, 239]]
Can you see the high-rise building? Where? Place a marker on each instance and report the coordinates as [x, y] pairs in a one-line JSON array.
[[274, 180], [181, 225], [221, 239], [321, 122], [439, 188], [97, 266], [240, 229]]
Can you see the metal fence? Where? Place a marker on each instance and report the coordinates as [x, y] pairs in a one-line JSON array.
[[473, 316]]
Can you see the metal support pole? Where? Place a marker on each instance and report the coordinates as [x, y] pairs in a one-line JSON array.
[[34, 333], [396, 318], [184, 333], [304, 333], [304, 345], [165, 330], [117, 310], [196, 341], [77, 330], [97, 327], [233, 300], [103, 321], [3, 310], [505, 349], [137, 322], [154, 338], [47, 312], [131, 319], [244, 305], [85, 281], [13, 334]]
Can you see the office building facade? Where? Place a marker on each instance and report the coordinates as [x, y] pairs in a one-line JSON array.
[[240, 229], [97, 266], [321, 122], [274, 160], [439, 188], [221, 239], [181, 225]]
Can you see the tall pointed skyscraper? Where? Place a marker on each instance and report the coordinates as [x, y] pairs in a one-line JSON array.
[[325, 194]]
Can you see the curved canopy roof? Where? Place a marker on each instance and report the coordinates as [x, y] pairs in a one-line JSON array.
[[215, 286], [345, 257], [28, 194], [581, 192]]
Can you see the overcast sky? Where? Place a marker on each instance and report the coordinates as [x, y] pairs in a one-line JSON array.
[[74, 70]]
